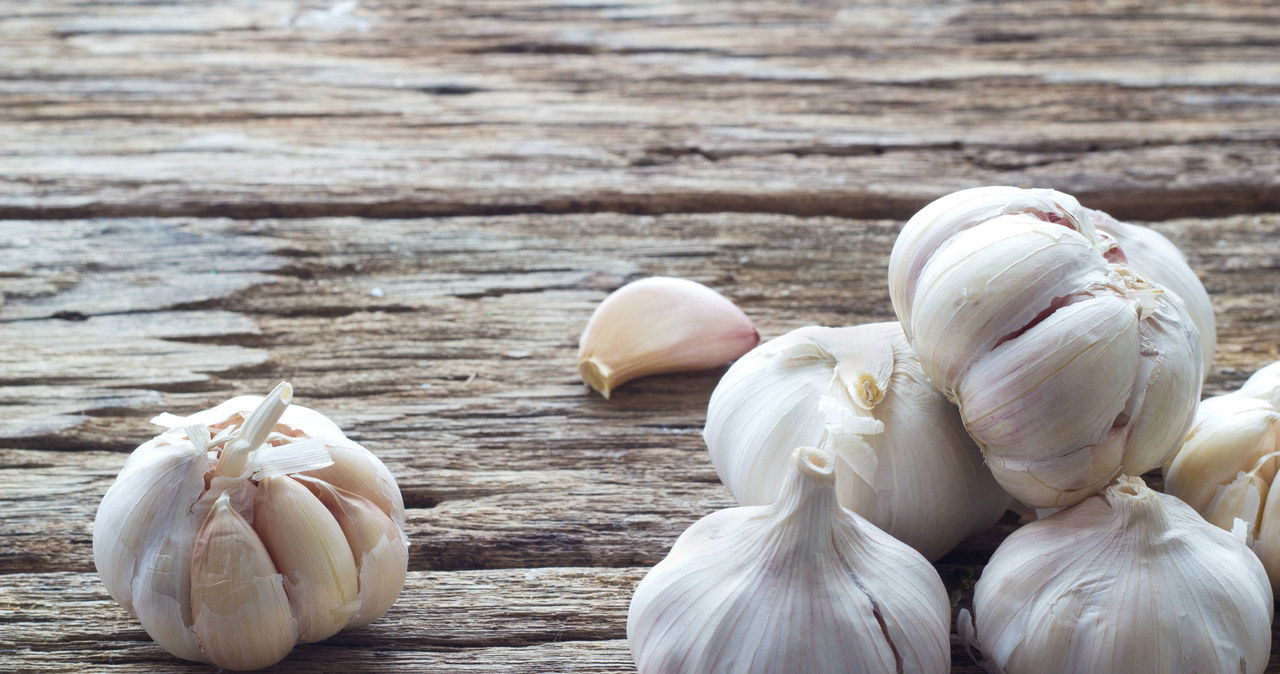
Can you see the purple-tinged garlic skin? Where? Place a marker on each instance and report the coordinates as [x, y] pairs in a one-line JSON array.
[[1069, 365]]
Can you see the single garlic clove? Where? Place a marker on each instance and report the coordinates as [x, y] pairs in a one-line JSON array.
[[310, 549], [903, 458], [1023, 380], [1127, 581], [659, 325], [356, 470], [381, 553], [1068, 365], [141, 539], [240, 610], [801, 585]]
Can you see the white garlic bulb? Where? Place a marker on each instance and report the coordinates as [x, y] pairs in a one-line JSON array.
[[902, 456], [1131, 581], [1068, 365], [1227, 467], [248, 528], [659, 325], [801, 586]]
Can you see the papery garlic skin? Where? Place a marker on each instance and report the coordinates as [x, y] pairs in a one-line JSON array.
[[802, 586], [210, 538], [659, 325], [1069, 366], [903, 459], [1159, 260], [1227, 466], [1127, 581]]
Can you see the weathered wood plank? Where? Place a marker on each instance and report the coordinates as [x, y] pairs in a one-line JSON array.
[[461, 376], [459, 373], [864, 110], [521, 620]]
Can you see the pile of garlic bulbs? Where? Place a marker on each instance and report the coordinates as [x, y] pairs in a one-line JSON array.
[[1046, 349], [248, 528]]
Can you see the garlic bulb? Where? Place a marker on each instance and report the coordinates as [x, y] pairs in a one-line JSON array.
[[902, 456], [1068, 365], [1127, 581], [801, 586], [1228, 464], [658, 325], [248, 528]]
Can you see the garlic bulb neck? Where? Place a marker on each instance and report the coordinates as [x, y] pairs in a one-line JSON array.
[[1139, 509], [234, 461], [807, 509]]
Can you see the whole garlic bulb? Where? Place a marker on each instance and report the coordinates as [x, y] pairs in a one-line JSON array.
[[1228, 464], [902, 456], [248, 528], [1131, 581], [801, 586], [658, 325], [1068, 365]]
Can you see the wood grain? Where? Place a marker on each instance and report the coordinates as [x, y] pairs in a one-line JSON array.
[[409, 210], [399, 109]]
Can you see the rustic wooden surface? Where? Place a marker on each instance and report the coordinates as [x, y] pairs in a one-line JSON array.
[[410, 209]]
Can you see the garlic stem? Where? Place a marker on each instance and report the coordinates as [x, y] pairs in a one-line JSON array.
[[1137, 507], [255, 429], [597, 375], [807, 504]]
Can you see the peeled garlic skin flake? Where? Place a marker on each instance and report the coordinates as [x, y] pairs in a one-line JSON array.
[[214, 537], [1068, 365], [801, 586], [659, 325], [903, 458], [1130, 581]]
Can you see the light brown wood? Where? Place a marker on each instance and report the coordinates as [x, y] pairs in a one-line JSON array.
[[409, 210]]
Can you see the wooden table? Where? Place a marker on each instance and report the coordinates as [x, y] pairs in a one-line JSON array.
[[409, 209]]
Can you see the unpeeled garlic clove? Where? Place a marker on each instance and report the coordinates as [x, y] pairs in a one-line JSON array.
[[903, 458], [658, 325], [1068, 365], [358, 471], [381, 554], [240, 610], [1227, 466], [1127, 581], [801, 585], [311, 550]]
